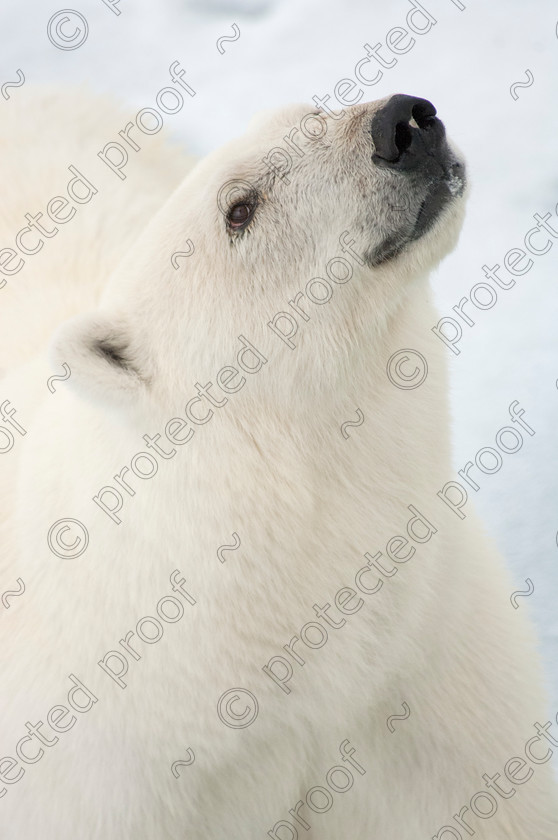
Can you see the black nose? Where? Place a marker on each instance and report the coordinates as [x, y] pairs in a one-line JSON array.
[[400, 145]]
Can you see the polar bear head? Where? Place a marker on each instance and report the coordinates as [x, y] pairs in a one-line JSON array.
[[350, 208]]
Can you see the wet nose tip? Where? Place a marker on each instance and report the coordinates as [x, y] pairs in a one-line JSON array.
[[391, 133]]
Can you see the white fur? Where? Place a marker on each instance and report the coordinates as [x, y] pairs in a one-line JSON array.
[[271, 466]]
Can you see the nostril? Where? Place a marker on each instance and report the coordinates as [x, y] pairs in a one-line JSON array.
[[403, 136], [424, 114], [402, 126]]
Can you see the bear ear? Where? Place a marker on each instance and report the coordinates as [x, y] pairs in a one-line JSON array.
[[97, 349]]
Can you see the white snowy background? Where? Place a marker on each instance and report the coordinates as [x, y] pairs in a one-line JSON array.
[[289, 50]]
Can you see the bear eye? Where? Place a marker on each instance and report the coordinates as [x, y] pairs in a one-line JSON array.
[[240, 214]]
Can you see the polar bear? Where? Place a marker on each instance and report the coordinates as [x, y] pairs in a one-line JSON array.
[[253, 604]]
